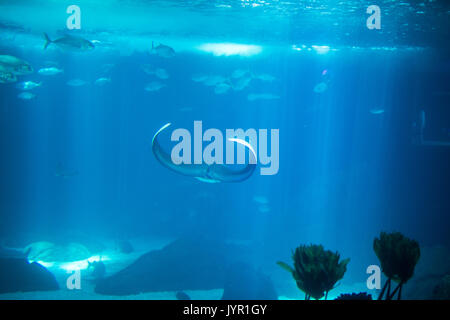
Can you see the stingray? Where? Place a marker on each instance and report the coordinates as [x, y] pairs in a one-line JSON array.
[[213, 173]]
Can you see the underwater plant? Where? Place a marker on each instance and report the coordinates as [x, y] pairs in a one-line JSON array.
[[316, 270], [398, 256], [354, 296]]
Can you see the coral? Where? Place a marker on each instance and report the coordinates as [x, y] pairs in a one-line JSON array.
[[442, 290], [316, 270], [398, 256], [354, 296]]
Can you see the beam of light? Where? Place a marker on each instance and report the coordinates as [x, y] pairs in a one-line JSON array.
[[44, 263], [230, 49]]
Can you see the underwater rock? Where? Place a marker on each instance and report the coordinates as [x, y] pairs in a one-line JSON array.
[[432, 267], [26, 95], [182, 296], [185, 264], [20, 275], [243, 282]]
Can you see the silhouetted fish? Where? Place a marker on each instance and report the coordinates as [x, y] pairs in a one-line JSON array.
[[163, 51]]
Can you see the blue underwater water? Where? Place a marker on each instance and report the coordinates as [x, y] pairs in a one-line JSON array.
[[77, 164]]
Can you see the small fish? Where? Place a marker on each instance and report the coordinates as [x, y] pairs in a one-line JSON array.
[[320, 87], [26, 95], [376, 111], [212, 81], [147, 68], [242, 83], [260, 199], [62, 172], [7, 77], [264, 208], [162, 50], [76, 83], [51, 71], [102, 81], [28, 85], [154, 86], [107, 67], [159, 72], [222, 88], [262, 96], [239, 73], [70, 43], [199, 77], [14, 65], [265, 77]]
